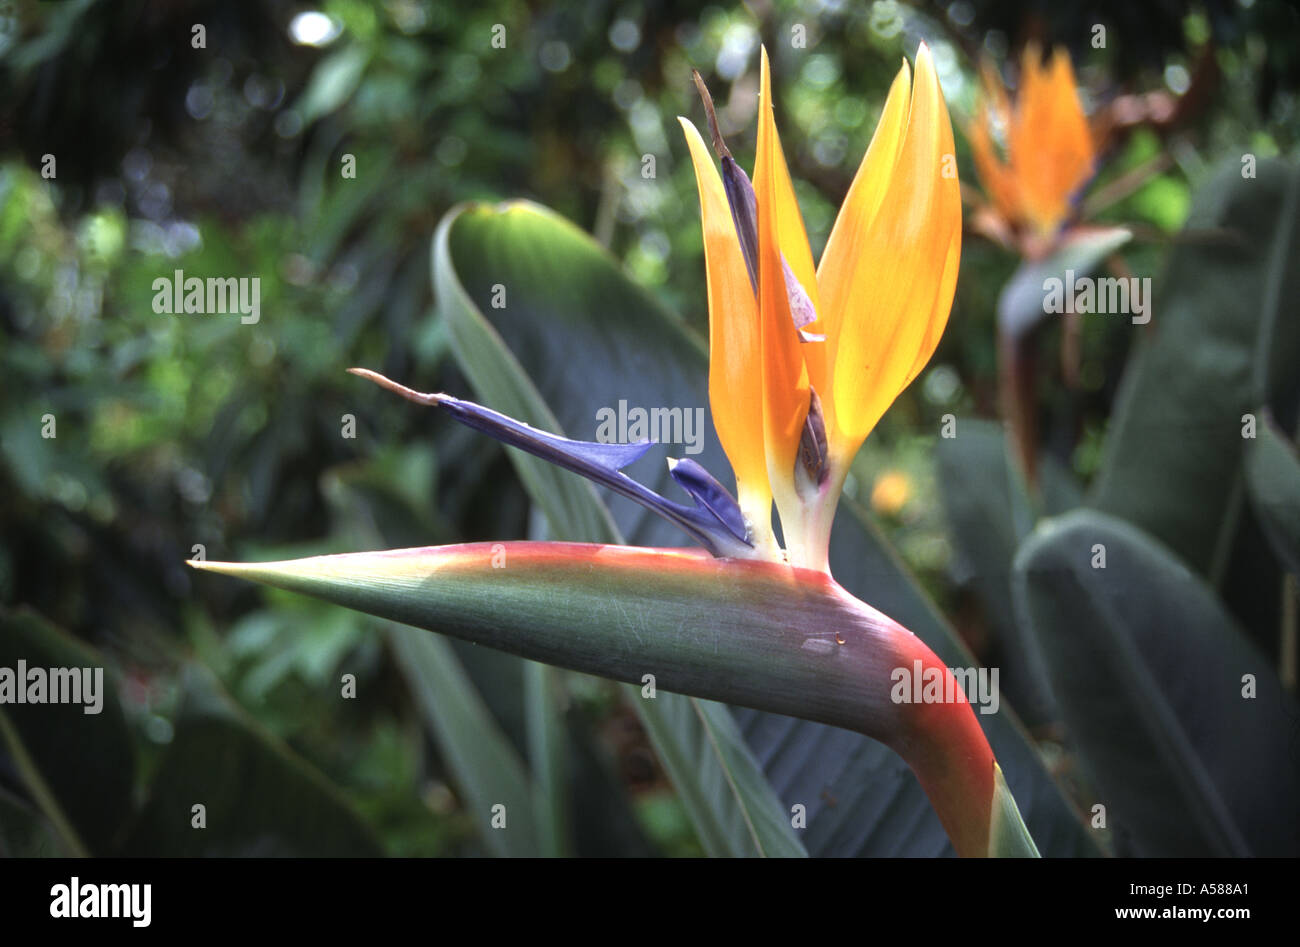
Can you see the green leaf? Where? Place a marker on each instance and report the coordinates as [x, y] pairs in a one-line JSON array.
[[78, 766], [568, 302], [259, 797], [709, 744], [1221, 327], [332, 82], [749, 632], [485, 767], [1273, 485], [489, 772], [989, 513], [501, 382], [1021, 303], [1008, 837], [1150, 673], [547, 754], [721, 789]]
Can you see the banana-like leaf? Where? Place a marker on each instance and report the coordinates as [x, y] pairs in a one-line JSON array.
[[1185, 728], [1224, 342], [753, 633], [566, 303], [721, 786], [989, 512], [1273, 485], [546, 754], [488, 771]]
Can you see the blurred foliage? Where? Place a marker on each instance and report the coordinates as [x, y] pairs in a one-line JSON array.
[[196, 430]]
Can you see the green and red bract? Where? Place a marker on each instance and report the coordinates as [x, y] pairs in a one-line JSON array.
[[747, 632]]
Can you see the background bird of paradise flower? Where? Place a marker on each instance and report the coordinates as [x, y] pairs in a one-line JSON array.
[[185, 431]]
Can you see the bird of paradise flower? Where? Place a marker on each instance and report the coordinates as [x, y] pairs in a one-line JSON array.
[[1032, 205], [1049, 156], [803, 362]]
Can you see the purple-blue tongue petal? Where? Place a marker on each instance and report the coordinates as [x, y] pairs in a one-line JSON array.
[[708, 493], [579, 456], [715, 522]]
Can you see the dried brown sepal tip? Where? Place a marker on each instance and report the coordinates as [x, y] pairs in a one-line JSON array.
[[719, 145], [410, 394]]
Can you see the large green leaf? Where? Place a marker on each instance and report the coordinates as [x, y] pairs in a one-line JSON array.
[[547, 754], [1223, 341], [719, 782], [79, 767], [989, 512], [488, 771], [588, 338], [1150, 672], [1273, 484]]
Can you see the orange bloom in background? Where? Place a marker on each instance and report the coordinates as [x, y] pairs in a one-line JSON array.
[[803, 360], [890, 493], [1050, 151]]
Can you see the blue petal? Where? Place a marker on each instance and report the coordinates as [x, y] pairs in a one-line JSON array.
[[558, 450], [716, 526], [709, 494]]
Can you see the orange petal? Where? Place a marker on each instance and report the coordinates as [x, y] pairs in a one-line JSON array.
[[890, 286], [1072, 142], [942, 305], [853, 225], [792, 238], [847, 243], [994, 173], [735, 385], [791, 234], [785, 376], [1050, 145]]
